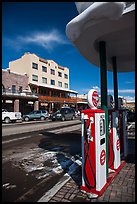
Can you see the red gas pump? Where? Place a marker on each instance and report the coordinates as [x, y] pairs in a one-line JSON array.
[[123, 125], [114, 160], [93, 147]]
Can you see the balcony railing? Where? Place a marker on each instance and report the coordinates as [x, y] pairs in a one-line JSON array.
[[69, 99], [58, 99], [81, 100], [8, 92]]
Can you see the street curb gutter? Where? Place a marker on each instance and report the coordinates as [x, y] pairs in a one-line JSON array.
[[48, 195]]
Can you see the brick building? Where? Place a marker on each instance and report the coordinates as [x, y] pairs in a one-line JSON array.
[[16, 94]]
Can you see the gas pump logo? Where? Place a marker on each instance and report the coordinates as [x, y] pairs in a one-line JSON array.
[[95, 98], [118, 144], [102, 157]]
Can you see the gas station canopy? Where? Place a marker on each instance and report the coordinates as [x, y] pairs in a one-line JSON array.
[[112, 22]]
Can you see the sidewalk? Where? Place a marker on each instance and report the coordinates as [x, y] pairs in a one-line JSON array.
[[122, 188]]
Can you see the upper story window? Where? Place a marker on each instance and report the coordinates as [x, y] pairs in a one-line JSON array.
[[34, 77], [44, 69], [59, 74], [44, 80], [20, 89], [52, 71], [65, 76], [13, 88], [34, 65], [3, 88], [59, 83], [66, 85], [52, 82]]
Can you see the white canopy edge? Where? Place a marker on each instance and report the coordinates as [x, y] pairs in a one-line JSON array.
[[109, 22]]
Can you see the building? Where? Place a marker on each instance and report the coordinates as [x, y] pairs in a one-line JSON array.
[[16, 94], [130, 105], [82, 102], [47, 79]]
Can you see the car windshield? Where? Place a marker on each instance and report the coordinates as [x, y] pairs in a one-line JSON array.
[[31, 112], [58, 111], [63, 110]]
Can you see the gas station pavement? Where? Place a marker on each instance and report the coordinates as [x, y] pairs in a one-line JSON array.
[[121, 189]]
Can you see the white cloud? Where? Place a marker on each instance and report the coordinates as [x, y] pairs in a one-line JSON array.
[[83, 91], [110, 91], [129, 82], [96, 88], [48, 40], [129, 98], [86, 90], [122, 90]]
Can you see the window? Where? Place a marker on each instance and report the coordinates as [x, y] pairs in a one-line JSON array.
[[59, 83], [66, 76], [52, 82], [20, 89], [38, 112], [13, 88], [66, 85], [52, 71], [34, 91], [44, 80], [44, 69], [34, 77], [3, 88], [59, 74], [34, 65]]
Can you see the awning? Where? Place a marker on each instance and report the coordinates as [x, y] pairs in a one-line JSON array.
[[112, 22]]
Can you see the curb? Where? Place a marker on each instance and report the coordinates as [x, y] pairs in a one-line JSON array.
[[48, 195]]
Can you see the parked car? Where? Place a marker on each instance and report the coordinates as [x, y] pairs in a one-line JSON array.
[[39, 114], [77, 113], [8, 116], [64, 113]]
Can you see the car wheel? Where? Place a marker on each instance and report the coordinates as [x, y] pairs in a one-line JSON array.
[[7, 120], [26, 119], [73, 117], [63, 118], [42, 118]]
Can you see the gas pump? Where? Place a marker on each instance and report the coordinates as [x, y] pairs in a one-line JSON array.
[[114, 160], [123, 125], [93, 147]]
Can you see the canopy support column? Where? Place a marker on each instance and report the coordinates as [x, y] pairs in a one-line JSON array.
[[114, 63], [103, 78]]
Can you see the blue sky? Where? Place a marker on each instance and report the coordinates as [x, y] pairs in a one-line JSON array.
[[39, 27]]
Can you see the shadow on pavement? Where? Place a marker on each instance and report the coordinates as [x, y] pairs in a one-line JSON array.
[[130, 158], [68, 149], [131, 151]]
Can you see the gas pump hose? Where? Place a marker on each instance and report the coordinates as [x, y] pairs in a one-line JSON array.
[[85, 175], [111, 145]]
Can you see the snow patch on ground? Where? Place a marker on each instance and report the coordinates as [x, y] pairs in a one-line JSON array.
[[43, 162], [8, 186]]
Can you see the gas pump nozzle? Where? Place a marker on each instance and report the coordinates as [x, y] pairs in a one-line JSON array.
[[89, 133], [89, 138]]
